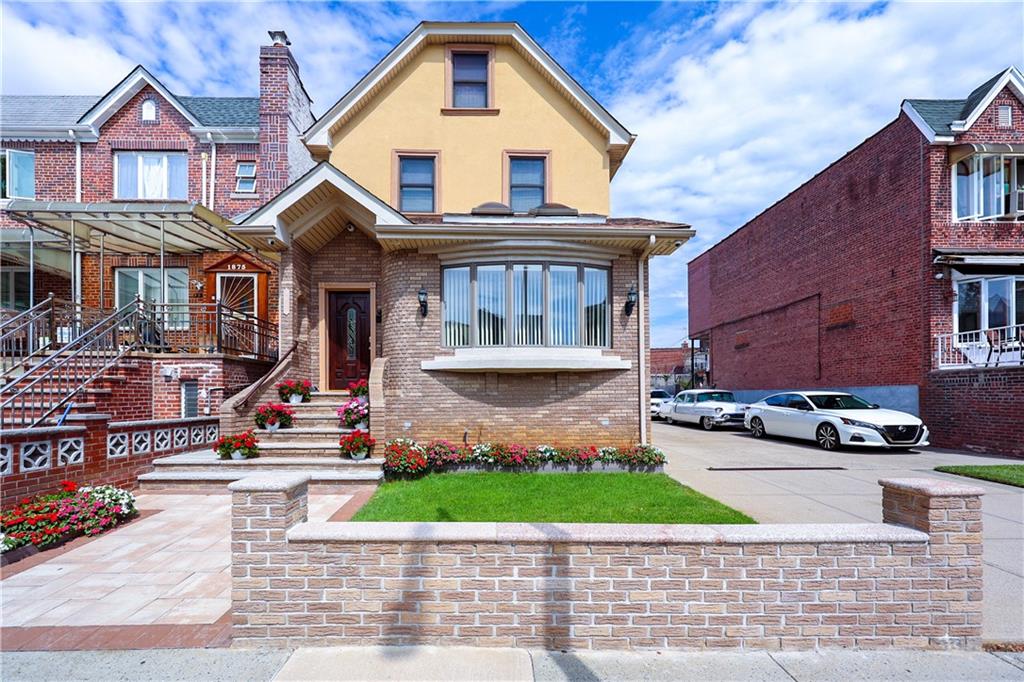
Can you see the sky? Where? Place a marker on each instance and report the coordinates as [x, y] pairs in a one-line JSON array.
[[735, 104]]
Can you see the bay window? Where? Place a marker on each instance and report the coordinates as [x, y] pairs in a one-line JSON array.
[[150, 175], [989, 302], [988, 187], [525, 304]]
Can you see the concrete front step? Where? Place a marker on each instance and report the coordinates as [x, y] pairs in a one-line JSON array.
[[206, 460], [301, 435], [317, 448]]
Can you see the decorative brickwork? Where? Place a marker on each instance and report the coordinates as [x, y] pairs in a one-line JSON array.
[[914, 582]]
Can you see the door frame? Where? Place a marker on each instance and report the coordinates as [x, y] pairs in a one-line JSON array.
[[325, 288]]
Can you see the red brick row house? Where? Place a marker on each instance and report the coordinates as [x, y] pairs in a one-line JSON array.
[[897, 273]]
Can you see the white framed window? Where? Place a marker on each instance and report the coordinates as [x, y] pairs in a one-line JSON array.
[[14, 288], [989, 302], [526, 304], [150, 175], [988, 187], [245, 177], [1005, 116], [145, 282], [149, 110], [17, 174]]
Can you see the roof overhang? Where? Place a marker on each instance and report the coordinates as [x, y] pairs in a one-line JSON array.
[[227, 135], [118, 96], [318, 136], [959, 152], [978, 257], [926, 130], [1012, 77], [131, 227]]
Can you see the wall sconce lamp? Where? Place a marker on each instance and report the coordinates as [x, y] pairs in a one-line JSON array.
[[631, 299], [422, 298]]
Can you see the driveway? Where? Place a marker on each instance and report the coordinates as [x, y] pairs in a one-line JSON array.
[[848, 494]]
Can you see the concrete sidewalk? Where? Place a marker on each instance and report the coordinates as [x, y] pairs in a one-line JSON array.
[[435, 663]]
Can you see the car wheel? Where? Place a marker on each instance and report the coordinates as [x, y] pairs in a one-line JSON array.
[[757, 428], [827, 437], [707, 424]]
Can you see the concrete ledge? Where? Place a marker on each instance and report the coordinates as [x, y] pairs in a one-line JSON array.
[[603, 532], [515, 360], [932, 487], [43, 431], [177, 421], [277, 483]]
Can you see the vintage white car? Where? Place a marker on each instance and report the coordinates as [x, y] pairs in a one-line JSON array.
[[709, 407], [833, 419], [658, 397]]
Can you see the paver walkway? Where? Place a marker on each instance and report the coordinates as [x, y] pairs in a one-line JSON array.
[[849, 494], [169, 568]]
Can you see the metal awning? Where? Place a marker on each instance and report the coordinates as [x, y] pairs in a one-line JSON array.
[[979, 256], [959, 152], [143, 227]]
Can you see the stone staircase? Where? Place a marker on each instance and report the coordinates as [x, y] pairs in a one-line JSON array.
[[311, 446]]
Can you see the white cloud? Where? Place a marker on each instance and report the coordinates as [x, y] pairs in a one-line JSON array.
[[735, 123]]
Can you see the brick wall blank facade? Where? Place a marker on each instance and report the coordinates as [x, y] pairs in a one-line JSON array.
[[913, 582]]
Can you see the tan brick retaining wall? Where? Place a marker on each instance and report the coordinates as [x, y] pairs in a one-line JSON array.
[[913, 582]]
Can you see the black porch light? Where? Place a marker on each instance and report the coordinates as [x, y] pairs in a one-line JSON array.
[[421, 296], [631, 299]]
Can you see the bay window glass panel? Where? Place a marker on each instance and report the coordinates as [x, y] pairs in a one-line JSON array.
[[595, 310], [469, 80], [528, 305], [998, 302], [457, 307], [21, 167], [564, 305], [968, 301], [991, 186], [490, 302], [967, 174]]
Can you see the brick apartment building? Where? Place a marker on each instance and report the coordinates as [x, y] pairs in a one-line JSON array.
[[897, 273]]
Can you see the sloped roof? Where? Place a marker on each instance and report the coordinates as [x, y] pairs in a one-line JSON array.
[[224, 111], [945, 117], [44, 110], [939, 113]]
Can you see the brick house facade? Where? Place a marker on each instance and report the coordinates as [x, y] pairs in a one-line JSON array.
[[851, 281]]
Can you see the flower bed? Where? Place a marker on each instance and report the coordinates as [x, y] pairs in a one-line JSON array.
[[49, 520], [406, 457]]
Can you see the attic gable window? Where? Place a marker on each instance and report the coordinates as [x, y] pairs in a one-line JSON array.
[[149, 111], [469, 86], [1005, 116]]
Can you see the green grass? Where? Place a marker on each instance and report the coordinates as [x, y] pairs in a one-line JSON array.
[[1010, 474], [532, 497]]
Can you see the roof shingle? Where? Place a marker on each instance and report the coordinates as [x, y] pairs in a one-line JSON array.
[[66, 110]]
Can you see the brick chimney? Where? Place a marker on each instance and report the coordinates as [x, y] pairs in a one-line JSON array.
[[284, 114]]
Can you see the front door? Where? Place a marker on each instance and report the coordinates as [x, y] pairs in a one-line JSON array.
[[348, 338]]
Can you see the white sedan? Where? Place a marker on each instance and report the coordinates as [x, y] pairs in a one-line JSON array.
[[658, 397], [708, 407], [833, 419]]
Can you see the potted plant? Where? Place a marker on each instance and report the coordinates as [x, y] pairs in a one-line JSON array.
[[355, 414], [356, 444], [360, 390], [238, 446], [274, 416], [295, 392]]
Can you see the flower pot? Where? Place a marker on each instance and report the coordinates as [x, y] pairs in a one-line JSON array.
[[363, 399], [361, 426], [272, 427], [237, 454], [359, 454], [295, 399]]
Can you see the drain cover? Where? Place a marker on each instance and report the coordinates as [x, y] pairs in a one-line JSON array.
[[776, 468]]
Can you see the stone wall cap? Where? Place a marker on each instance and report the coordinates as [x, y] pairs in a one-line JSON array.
[[932, 487], [667, 534], [269, 483]]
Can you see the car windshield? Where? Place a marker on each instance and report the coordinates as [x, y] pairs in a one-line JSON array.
[[839, 402], [660, 394], [718, 396]]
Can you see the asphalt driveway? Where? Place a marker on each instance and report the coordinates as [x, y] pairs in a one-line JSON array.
[[848, 493]]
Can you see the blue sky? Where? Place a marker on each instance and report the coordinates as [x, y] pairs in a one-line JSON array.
[[735, 104]]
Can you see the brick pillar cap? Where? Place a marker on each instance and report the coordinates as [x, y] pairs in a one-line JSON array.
[[269, 483], [931, 487]]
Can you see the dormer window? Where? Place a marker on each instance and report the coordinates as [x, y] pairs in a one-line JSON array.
[[148, 111], [469, 87]]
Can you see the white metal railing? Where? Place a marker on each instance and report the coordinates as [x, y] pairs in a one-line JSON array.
[[996, 347]]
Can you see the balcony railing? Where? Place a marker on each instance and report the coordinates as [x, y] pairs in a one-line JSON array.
[[996, 347]]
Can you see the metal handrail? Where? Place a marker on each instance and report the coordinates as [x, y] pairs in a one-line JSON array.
[[981, 348], [45, 303], [254, 389], [36, 331]]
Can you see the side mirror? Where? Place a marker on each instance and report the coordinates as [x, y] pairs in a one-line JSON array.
[[875, 406]]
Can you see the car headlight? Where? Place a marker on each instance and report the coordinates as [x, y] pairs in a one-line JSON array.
[[719, 410], [863, 425]]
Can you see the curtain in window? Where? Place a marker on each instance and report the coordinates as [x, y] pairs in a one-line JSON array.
[[490, 296], [991, 187], [528, 305], [177, 176], [22, 168], [967, 175], [564, 310], [595, 311], [127, 176], [152, 178], [456, 307]]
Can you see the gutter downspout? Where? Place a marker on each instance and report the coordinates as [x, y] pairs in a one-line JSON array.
[[213, 169], [641, 354], [78, 166], [202, 183]]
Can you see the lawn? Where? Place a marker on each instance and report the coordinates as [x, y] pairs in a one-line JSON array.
[[1010, 474], [532, 497]]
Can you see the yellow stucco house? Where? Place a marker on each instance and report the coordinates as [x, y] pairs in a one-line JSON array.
[[454, 244]]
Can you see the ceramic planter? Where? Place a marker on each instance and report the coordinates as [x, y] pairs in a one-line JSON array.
[[363, 399], [237, 454], [295, 399], [361, 426], [359, 454], [272, 427]]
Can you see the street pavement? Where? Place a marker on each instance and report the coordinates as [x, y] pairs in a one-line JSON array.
[[782, 492]]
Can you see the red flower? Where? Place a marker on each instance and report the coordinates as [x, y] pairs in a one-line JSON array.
[[68, 486]]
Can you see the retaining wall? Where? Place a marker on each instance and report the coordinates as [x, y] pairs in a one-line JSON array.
[[911, 582]]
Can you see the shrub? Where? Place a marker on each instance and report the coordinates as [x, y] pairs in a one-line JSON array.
[[359, 389], [246, 443], [577, 456], [354, 412], [641, 455], [288, 388], [514, 456], [356, 441], [271, 413], [49, 519], [404, 456]]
